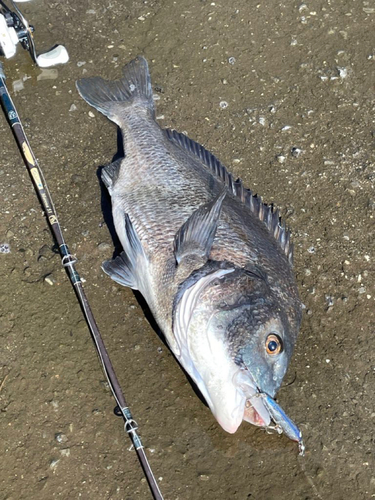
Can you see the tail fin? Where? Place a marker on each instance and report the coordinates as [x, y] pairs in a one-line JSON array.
[[111, 97]]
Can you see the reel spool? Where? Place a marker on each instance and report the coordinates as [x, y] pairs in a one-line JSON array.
[[14, 28]]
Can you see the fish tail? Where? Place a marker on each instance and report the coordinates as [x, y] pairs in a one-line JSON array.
[[113, 97]]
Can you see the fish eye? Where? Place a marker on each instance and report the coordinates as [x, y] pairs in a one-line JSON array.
[[274, 344]]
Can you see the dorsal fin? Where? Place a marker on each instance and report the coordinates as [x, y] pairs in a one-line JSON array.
[[265, 212]]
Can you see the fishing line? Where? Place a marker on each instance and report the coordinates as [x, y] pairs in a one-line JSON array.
[[302, 465]]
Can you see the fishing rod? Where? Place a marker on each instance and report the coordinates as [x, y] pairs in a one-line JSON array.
[[15, 29]]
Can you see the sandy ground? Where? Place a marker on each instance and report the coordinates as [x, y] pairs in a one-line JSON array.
[[298, 127]]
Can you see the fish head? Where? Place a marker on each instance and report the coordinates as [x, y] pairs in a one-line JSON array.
[[236, 338]]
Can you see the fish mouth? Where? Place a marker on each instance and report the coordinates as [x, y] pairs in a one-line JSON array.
[[255, 411]]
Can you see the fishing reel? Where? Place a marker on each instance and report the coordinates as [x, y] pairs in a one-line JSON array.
[[14, 28]]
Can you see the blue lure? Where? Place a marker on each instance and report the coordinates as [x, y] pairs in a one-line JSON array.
[[283, 423]]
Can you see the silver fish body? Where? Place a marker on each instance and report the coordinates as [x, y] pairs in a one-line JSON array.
[[212, 261]]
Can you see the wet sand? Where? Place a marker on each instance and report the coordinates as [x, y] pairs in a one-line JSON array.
[[283, 94]]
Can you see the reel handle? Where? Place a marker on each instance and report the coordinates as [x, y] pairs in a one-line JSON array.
[[57, 55], [15, 29]]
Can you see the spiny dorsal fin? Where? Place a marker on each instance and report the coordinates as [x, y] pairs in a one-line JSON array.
[[265, 212], [196, 235]]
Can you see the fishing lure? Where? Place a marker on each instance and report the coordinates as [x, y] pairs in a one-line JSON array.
[[283, 423]]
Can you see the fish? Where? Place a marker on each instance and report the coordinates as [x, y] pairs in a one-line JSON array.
[[213, 262]]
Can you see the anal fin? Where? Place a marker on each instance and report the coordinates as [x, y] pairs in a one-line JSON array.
[[110, 173], [120, 270]]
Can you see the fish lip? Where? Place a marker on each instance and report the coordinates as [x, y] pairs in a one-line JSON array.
[[255, 411]]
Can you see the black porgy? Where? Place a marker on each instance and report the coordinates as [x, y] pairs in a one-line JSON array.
[[212, 261]]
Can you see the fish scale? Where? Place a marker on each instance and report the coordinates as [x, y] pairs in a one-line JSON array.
[[212, 261]]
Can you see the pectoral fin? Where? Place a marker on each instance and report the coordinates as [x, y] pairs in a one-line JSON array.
[[196, 235]]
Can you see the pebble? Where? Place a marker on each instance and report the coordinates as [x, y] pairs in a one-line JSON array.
[[91, 114], [45, 251], [296, 152], [61, 438], [73, 107], [343, 72], [262, 121], [330, 301], [4, 248], [49, 279], [53, 463], [281, 158], [105, 384], [103, 247], [204, 477]]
